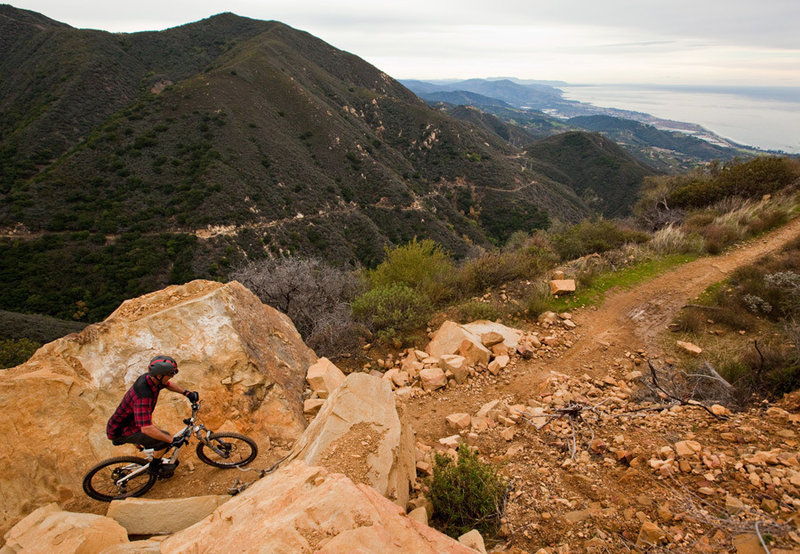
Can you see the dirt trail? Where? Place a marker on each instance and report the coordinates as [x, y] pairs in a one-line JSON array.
[[631, 319], [627, 320]]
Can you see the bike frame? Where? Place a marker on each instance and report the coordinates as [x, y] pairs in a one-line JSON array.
[[192, 428]]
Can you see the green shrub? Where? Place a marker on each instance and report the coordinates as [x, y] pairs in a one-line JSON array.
[[14, 352], [592, 236], [419, 265], [474, 310], [753, 178], [393, 310], [466, 494]]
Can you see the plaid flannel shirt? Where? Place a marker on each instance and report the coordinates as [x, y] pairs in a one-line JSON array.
[[135, 411]]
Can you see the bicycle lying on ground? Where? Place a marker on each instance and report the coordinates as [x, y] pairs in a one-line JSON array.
[[125, 476]]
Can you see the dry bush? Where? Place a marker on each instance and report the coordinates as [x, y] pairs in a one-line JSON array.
[[691, 320], [718, 237], [536, 299], [674, 240], [315, 296]]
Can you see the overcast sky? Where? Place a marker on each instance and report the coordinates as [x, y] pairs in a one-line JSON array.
[[713, 42]]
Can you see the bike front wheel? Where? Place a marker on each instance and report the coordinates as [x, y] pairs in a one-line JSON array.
[[111, 479], [227, 450]]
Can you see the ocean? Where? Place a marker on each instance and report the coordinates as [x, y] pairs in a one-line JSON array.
[[764, 117]]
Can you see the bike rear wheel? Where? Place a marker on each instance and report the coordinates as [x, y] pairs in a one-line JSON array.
[[235, 450], [102, 481]]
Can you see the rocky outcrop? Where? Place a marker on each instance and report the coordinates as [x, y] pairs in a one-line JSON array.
[[246, 359], [359, 432], [306, 509], [50, 530]]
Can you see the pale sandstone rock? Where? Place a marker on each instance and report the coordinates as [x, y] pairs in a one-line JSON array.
[[491, 338], [307, 509], [473, 540], [650, 534], [451, 442], [511, 336], [360, 418], [324, 377], [140, 516], [457, 365], [474, 354], [312, 405], [689, 347], [400, 379], [432, 378], [500, 349], [687, 449], [49, 530], [562, 286], [458, 421], [558, 275], [547, 318], [720, 410], [419, 514], [448, 339], [217, 332]]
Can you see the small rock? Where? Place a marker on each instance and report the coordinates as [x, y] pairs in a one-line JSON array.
[[459, 421], [473, 540], [419, 514], [690, 348], [733, 505], [650, 534]]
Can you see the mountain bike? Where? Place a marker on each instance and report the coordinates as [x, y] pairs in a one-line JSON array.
[[126, 476]]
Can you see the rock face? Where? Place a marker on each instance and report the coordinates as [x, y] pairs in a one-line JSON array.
[[49, 530], [246, 360], [306, 509], [358, 432], [141, 516]]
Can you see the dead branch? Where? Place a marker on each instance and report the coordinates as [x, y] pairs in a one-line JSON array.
[[574, 413], [676, 398]]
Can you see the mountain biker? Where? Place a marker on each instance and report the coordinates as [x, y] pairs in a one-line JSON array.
[[132, 421]]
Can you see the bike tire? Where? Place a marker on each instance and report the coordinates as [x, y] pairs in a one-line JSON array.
[[241, 450], [99, 483]]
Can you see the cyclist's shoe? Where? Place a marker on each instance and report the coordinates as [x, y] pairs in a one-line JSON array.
[[167, 470], [155, 466]]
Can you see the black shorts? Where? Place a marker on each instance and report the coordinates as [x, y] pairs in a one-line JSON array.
[[142, 439]]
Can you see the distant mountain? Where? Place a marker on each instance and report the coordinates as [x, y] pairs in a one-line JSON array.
[[464, 98], [131, 161], [660, 149], [601, 173], [534, 96], [552, 114]]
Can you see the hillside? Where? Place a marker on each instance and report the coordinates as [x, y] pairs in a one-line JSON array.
[[131, 161], [604, 175], [657, 148], [541, 110]]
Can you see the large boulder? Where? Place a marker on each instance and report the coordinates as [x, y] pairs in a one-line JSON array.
[[450, 337], [359, 432], [50, 530], [307, 509], [142, 516], [246, 359]]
